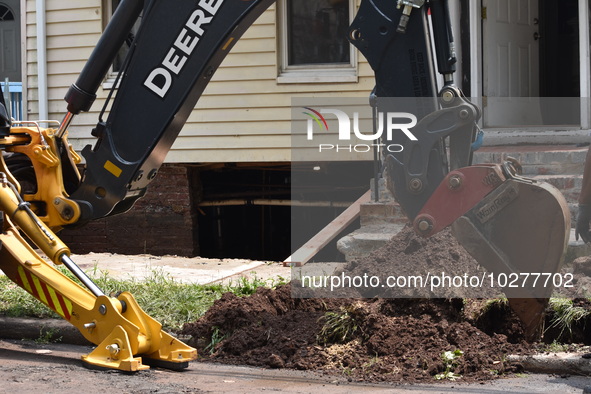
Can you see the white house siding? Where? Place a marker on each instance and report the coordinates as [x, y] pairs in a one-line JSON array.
[[71, 35], [243, 116]]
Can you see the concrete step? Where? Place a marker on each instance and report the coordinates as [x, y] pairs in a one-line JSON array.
[[386, 213], [362, 242], [569, 185], [538, 159]]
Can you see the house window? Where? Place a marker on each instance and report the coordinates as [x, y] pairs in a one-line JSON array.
[[109, 7], [314, 46], [118, 62]]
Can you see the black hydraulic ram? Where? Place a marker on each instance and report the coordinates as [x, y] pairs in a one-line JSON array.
[[396, 39], [82, 94]]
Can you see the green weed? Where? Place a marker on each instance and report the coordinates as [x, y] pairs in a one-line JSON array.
[[450, 362], [566, 314], [555, 347], [48, 336], [216, 337], [347, 371], [340, 326], [245, 287]]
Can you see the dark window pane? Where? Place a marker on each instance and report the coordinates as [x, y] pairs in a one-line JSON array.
[[5, 13], [122, 54], [317, 31]]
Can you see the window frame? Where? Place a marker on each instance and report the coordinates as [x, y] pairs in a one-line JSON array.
[[111, 77], [313, 73], [109, 82]]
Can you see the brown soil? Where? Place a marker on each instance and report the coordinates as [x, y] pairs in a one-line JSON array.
[[386, 339], [391, 340], [408, 255]]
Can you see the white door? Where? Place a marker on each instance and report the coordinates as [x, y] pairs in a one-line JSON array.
[[10, 48], [511, 63]]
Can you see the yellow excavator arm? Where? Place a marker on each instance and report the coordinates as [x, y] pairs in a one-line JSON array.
[[126, 337]]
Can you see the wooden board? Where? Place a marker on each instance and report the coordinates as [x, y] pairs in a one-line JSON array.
[[327, 234]]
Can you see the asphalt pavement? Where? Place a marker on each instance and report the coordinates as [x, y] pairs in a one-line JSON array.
[[28, 366]]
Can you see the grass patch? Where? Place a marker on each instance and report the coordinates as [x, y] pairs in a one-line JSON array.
[[339, 326], [167, 300], [566, 314], [555, 347], [15, 302]]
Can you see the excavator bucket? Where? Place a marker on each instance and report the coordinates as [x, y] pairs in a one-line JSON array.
[[515, 227]]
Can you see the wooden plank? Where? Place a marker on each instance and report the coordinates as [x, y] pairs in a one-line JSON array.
[[225, 156], [327, 234], [274, 203]]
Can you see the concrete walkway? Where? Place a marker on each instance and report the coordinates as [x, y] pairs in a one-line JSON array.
[[183, 269]]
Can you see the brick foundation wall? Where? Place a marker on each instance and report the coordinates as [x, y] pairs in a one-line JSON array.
[[162, 222]]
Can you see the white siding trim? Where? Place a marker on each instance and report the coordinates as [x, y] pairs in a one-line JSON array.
[[42, 97], [244, 114], [24, 75], [585, 64], [476, 49]]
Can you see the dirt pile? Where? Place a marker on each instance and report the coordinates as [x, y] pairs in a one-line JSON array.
[[369, 339], [375, 340], [445, 269], [388, 336]]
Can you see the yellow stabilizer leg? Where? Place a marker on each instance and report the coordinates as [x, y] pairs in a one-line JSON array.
[[115, 352], [120, 328]]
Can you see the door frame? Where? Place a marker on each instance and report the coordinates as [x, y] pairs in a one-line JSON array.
[[584, 57], [15, 7], [566, 135], [24, 50]]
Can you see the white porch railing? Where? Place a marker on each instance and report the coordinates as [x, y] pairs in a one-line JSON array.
[[13, 95]]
